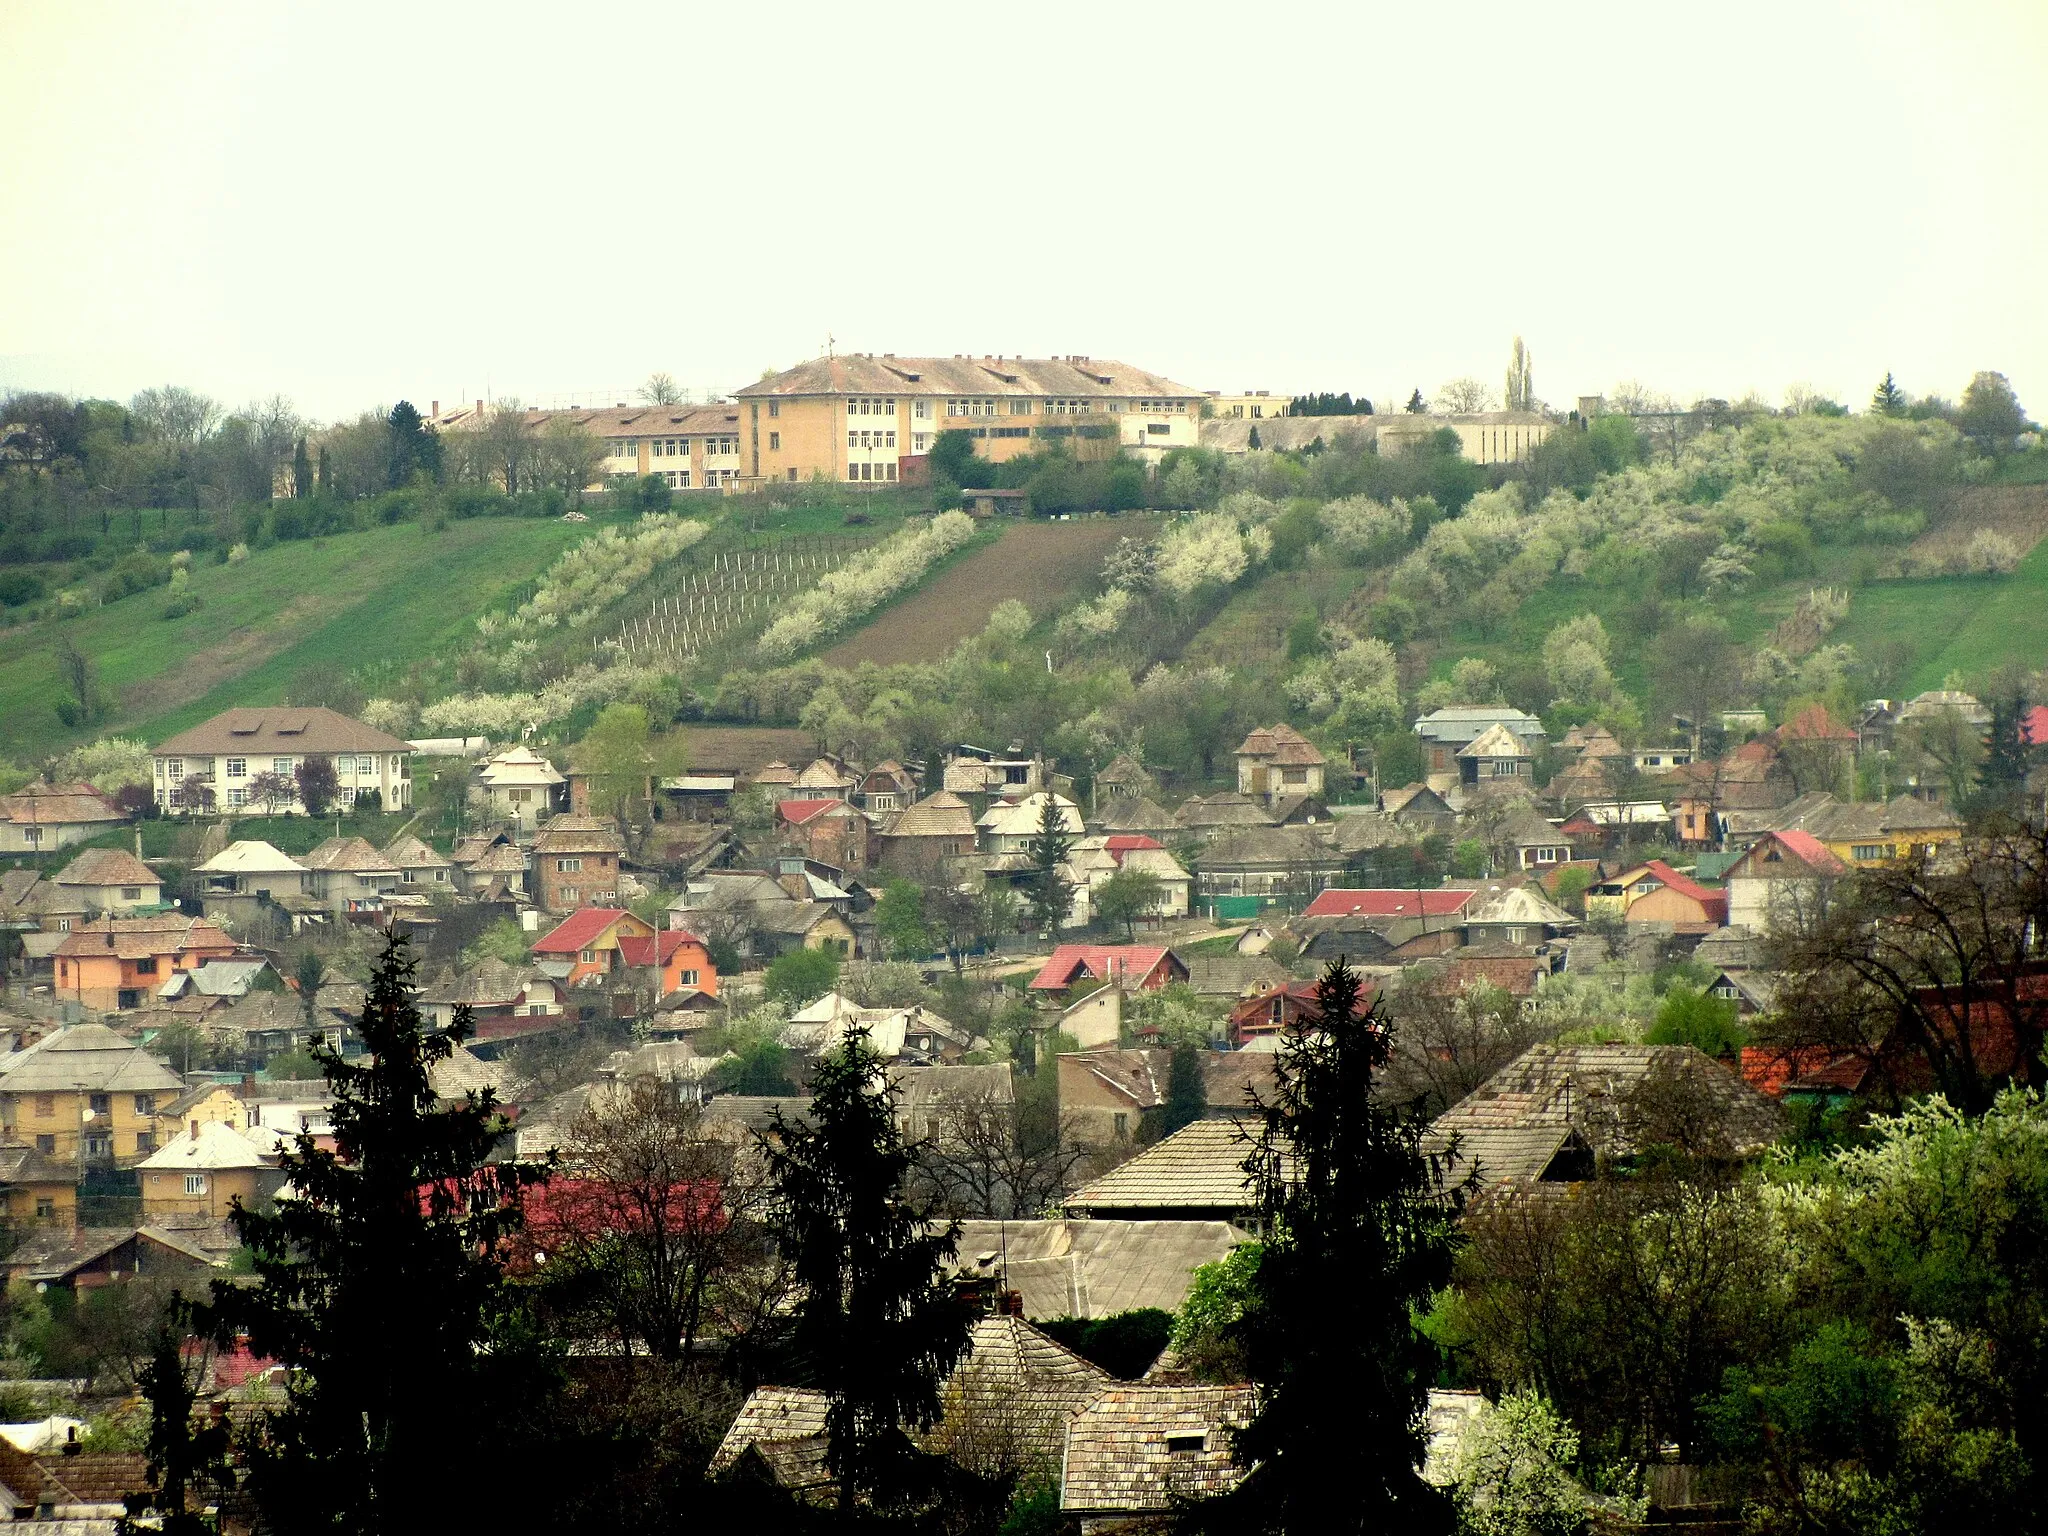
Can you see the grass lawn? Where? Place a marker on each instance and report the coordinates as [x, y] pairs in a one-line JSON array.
[[1965, 624], [384, 595]]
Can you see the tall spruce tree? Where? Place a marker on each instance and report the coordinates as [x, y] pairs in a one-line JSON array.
[[1362, 1233], [378, 1285], [1049, 894], [1888, 399], [2006, 749], [1417, 406], [877, 1328], [302, 471], [1187, 1089]]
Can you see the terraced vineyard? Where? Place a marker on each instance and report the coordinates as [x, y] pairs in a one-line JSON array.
[[709, 598]]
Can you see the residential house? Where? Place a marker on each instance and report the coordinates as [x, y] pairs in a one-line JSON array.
[[1661, 759], [1271, 862], [1134, 1454], [1936, 702], [930, 1092], [225, 754], [827, 829], [1134, 967], [1821, 752], [204, 1103], [1556, 1113], [1124, 778], [1095, 1019], [777, 777], [1419, 808], [244, 876], [117, 963], [938, 827], [1780, 877], [350, 875], [519, 786], [504, 1000], [1496, 753], [419, 865], [675, 957], [1530, 840], [587, 943], [1134, 813], [259, 1025], [1076, 1268], [110, 880], [1280, 1008], [1657, 893], [869, 419], [1207, 817], [35, 1187], [1009, 826], [1370, 924], [1514, 915], [1106, 1094], [781, 927], [1148, 856], [1866, 832], [972, 770], [1196, 1174], [576, 863], [886, 787], [205, 1174], [1276, 761], [488, 863], [40, 817], [753, 911], [1445, 731], [84, 1096]]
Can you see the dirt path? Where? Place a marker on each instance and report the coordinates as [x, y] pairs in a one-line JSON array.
[[1041, 564]]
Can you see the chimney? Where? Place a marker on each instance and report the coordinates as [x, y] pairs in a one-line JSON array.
[[435, 413], [479, 407]]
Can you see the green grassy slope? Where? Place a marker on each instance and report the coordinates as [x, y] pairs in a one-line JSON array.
[[354, 599], [1965, 624]]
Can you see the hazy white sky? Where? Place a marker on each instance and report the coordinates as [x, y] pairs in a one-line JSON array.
[[351, 203]]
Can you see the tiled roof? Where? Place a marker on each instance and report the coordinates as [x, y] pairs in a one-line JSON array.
[[107, 866], [635, 950], [250, 857], [868, 374], [1462, 722], [408, 852], [772, 1413], [53, 805], [1131, 963], [1016, 1376], [578, 834], [259, 732], [1226, 808], [1133, 813], [217, 1146], [349, 855], [1380, 902], [1809, 856], [86, 1058], [1495, 741], [1080, 1268], [1198, 1168], [797, 812], [1283, 746], [1139, 1448], [943, 814], [138, 938], [576, 930]]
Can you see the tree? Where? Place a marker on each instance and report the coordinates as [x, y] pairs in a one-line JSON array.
[[1416, 405], [311, 975], [1521, 391], [800, 977], [196, 793], [409, 450], [379, 1286], [875, 1321], [1511, 1471], [1991, 416], [271, 790], [953, 458], [81, 675], [1001, 1157], [1353, 1206], [900, 921], [1252, 442], [181, 417], [1449, 1041], [1942, 750], [1048, 893], [623, 758], [1464, 397], [1187, 1088], [1888, 399], [2007, 752], [318, 784], [302, 471], [185, 1464], [1128, 895], [1694, 1016], [661, 389]]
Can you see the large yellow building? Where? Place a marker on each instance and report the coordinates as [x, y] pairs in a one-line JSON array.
[[692, 447], [85, 1096], [860, 417]]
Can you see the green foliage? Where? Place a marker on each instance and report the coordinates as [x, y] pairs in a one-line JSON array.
[[1124, 1344], [900, 921], [953, 459], [1470, 860], [1205, 1329], [1511, 1472], [1570, 890], [1187, 1089], [1127, 896], [1693, 1016], [1047, 892], [504, 940], [800, 977], [295, 1066]]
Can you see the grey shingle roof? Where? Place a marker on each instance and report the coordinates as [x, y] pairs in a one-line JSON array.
[[1080, 1268], [1139, 1447], [86, 1058], [1198, 1169]]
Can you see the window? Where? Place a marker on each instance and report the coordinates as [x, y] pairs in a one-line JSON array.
[[46, 1105], [195, 1183], [145, 1103], [569, 893], [238, 767], [1020, 407], [687, 979], [32, 837], [145, 1141], [131, 893], [568, 866], [774, 442], [1186, 1444], [146, 966], [588, 957], [46, 1145], [238, 796], [519, 796], [921, 409], [1123, 1125], [920, 442], [100, 1103], [99, 1144], [174, 768], [45, 1207], [774, 407]]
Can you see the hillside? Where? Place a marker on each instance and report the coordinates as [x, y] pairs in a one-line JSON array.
[[378, 598]]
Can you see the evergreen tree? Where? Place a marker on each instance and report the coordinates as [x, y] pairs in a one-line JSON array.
[[186, 1465], [302, 471], [1187, 1089], [1362, 1234], [407, 444], [1048, 894], [378, 1286], [1416, 404], [1888, 399], [876, 1325], [326, 473], [1521, 391], [1253, 441], [2006, 749]]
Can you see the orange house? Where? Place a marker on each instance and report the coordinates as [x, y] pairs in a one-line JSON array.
[[590, 941], [119, 962], [685, 962]]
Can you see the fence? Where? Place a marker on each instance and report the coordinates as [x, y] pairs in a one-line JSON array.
[[729, 589]]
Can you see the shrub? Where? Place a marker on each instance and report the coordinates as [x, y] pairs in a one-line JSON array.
[[18, 587]]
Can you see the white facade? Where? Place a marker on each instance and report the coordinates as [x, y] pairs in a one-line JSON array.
[[357, 775]]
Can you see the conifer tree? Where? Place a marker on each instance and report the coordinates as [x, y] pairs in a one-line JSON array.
[[1253, 442], [302, 471], [1187, 1089], [1521, 391], [877, 1327], [1417, 406], [2006, 747], [377, 1284], [1047, 849], [1888, 399], [1362, 1233]]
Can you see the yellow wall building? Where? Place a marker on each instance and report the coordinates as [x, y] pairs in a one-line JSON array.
[[83, 1096], [205, 1175]]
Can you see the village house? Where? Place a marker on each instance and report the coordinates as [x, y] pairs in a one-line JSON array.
[[1281, 1008], [676, 960], [1134, 813], [488, 864], [214, 763], [203, 1103], [938, 827], [576, 863], [40, 817], [36, 1188], [1781, 877], [1514, 915], [1276, 761], [888, 786], [110, 880], [587, 943], [117, 963], [1196, 1174], [1122, 778], [1657, 893], [826, 829], [972, 770], [1009, 826], [419, 865], [84, 1095], [519, 786], [245, 876], [205, 1173], [1073, 1268], [1419, 808], [1530, 841], [504, 1000], [1133, 967], [349, 875], [1495, 754], [1209, 816], [1273, 863], [1862, 833], [1106, 1094], [1149, 856], [1445, 731]]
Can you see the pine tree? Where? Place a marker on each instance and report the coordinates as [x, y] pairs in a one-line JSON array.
[[876, 1325], [1253, 442], [326, 473], [1362, 1234], [1048, 893], [187, 1465], [2006, 749], [1187, 1089], [406, 442], [378, 1286], [1888, 399], [302, 471], [1417, 406]]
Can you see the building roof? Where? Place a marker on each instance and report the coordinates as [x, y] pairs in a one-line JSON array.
[[1199, 1168], [575, 931], [138, 938], [251, 857], [943, 814], [1133, 813], [1072, 1267], [218, 1146], [1129, 963], [823, 773], [1797, 854], [281, 729], [772, 1414], [408, 852], [578, 834], [1233, 976], [1139, 1074], [800, 812], [1495, 741], [1518, 905], [1283, 746], [1714, 903], [86, 1058], [519, 766], [1269, 847], [351, 856], [867, 374], [55, 805], [1226, 808], [107, 866], [658, 950], [1021, 818], [1378, 902], [1460, 723], [1813, 723], [1144, 1447]]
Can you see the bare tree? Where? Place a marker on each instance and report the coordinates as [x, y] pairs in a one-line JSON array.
[[661, 389], [1447, 1042], [567, 457], [987, 1156], [178, 415], [1463, 397]]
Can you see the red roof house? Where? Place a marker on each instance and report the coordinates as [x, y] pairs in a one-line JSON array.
[[1669, 897], [589, 939], [1279, 1008], [1387, 903], [682, 957], [2034, 726], [1120, 843], [1141, 967]]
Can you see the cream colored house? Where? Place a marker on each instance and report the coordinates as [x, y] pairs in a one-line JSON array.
[[204, 1174], [519, 786], [1277, 761], [111, 880], [219, 765]]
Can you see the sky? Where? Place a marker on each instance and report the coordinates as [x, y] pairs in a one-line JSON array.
[[355, 203]]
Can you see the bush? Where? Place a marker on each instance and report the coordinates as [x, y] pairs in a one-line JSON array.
[[18, 587], [1124, 1344]]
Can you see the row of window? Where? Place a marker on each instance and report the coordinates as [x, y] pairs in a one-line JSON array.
[[861, 405], [871, 439], [173, 768], [671, 447], [98, 1103], [882, 471]]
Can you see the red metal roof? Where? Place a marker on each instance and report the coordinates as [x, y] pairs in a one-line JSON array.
[[1134, 963], [1806, 847], [2034, 726], [1714, 902], [1387, 903], [797, 812], [576, 930], [635, 950], [1124, 842]]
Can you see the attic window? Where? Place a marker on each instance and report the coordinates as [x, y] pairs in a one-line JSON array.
[[1186, 1444], [247, 730]]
